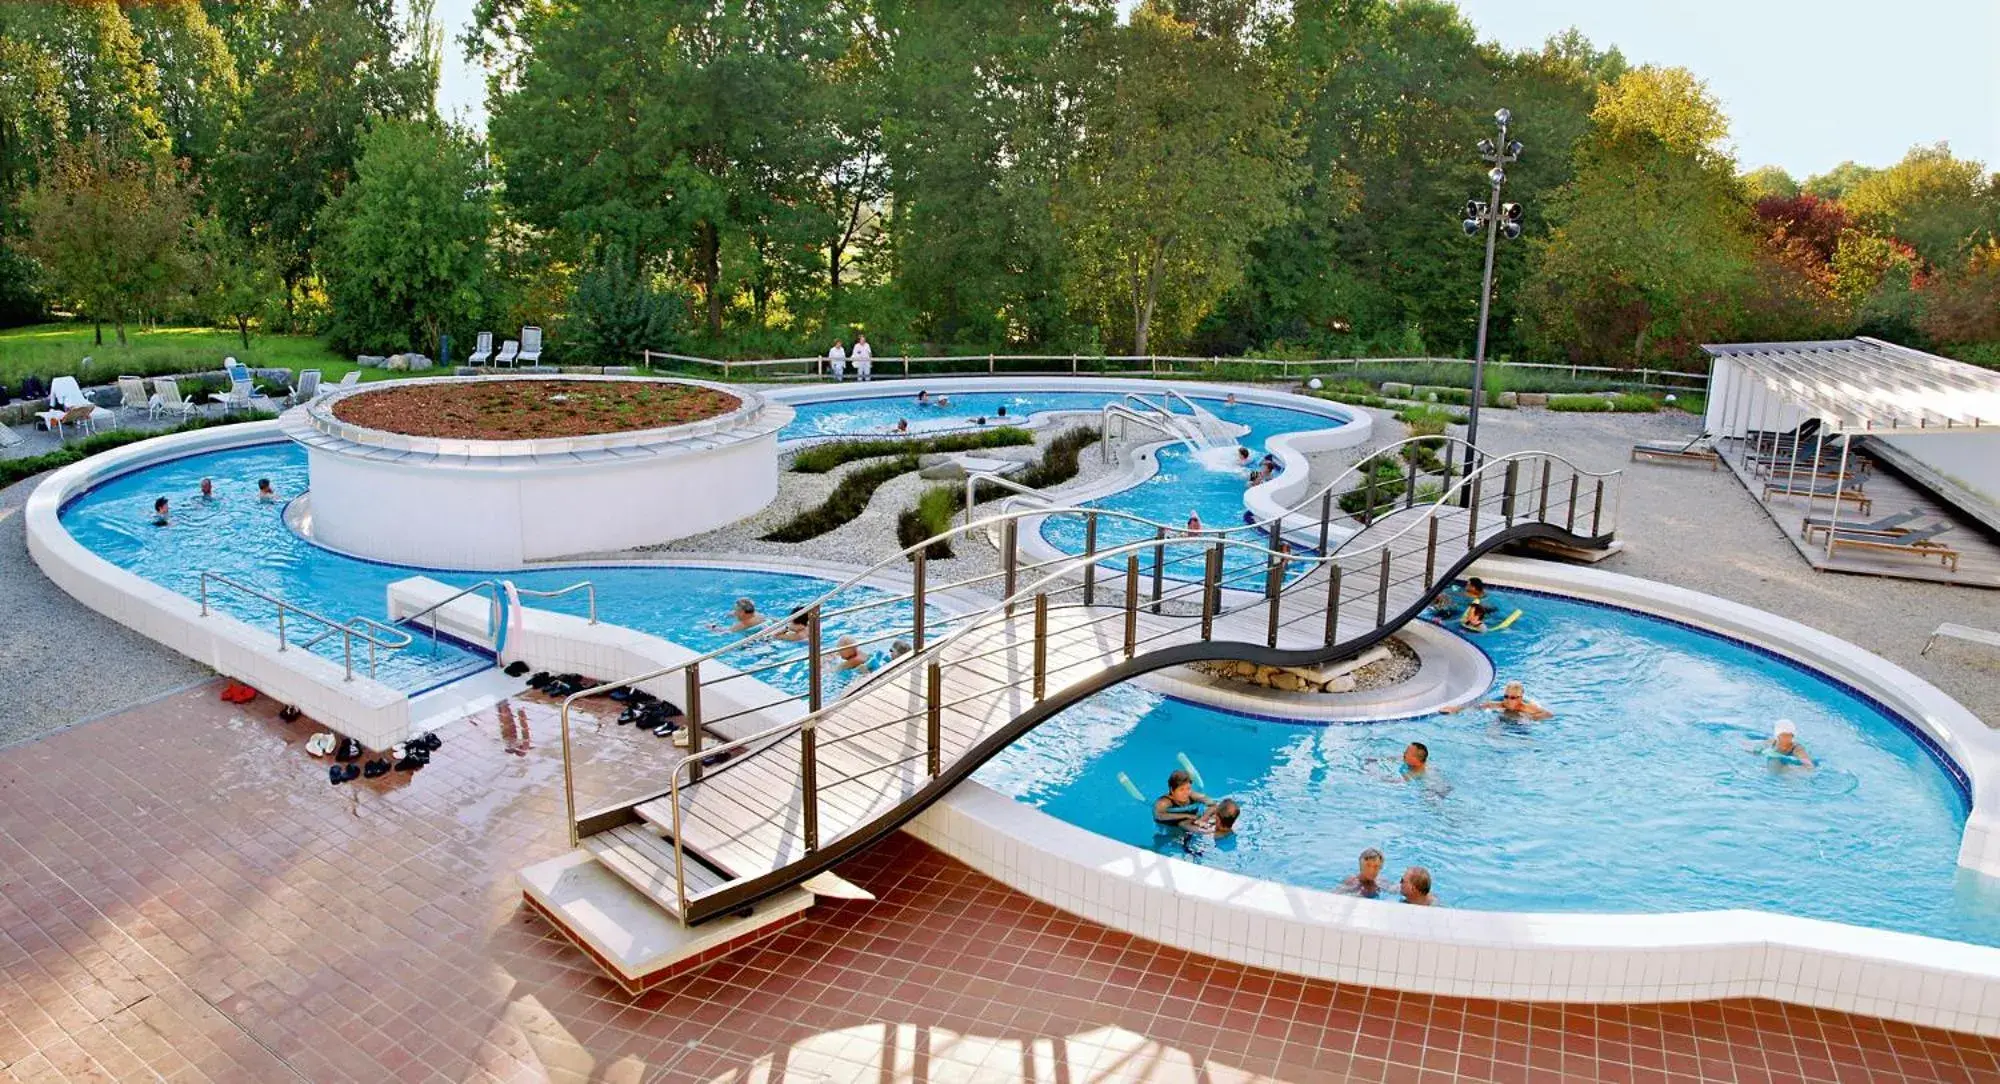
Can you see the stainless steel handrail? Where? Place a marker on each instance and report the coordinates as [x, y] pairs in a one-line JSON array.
[[492, 610], [346, 629], [586, 586], [973, 478]]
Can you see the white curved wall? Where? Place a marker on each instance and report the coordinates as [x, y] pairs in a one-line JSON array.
[[502, 517]]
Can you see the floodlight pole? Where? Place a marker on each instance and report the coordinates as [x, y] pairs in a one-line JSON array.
[[1500, 153]]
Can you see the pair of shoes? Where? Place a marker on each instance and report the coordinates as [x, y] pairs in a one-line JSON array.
[[515, 669], [541, 679], [349, 750], [374, 768], [667, 728], [413, 759], [238, 693], [289, 712], [342, 773], [322, 743]]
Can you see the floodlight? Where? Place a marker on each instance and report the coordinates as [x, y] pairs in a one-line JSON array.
[[1498, 176], [1486, 147], [1510, 230], [1503, 116], [1514, 149], [1471, 227], [1510, 212], [1474, 208]]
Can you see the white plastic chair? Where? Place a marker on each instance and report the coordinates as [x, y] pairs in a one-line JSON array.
[[352, 378], [167, 399], [132, 395], [531, 346], [69, 406], [308, 387], [510, 353], [483, 353], [236, 398]]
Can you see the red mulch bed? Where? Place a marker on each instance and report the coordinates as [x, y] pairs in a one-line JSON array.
[[532, 409]]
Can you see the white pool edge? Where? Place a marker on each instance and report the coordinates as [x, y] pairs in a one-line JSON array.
[[1593, 958]]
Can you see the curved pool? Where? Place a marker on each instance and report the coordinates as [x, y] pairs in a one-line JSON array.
[[248, 541], [1641, 795]]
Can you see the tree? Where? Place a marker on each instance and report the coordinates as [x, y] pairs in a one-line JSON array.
[[195, 76], [1834, 183], [1965, 307], [109, 90], [1877, 278], [111, 232], [1651, 242], [1769, 182], [235, 281], [406, 242], [1945, 207], [333, 72], [615, 313], [1185, 161]]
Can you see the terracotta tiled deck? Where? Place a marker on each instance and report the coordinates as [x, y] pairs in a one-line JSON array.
[[183, 896]]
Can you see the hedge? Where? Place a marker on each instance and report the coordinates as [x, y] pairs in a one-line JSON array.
[[821, 458], [938, 505], [847, 501], [1625, 403], [13, 470]]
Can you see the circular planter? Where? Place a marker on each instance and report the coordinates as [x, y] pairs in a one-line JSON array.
[[464, 502]]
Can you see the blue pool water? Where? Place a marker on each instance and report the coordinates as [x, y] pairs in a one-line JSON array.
[[1639, 796], [1212, 485], [249, 542]]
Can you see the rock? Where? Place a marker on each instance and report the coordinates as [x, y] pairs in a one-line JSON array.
[[954, 467], [1394, 390], [396, 363], [464, 370], [1342, 684], [1290, 683], [1248, 669], [1510, 399], [374, 361], [1609, 395], [1531, 398], [417, 361]]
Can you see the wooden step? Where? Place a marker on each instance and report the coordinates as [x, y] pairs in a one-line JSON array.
[[646, 861]]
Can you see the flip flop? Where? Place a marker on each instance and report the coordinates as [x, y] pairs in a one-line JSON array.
[[320, 744]]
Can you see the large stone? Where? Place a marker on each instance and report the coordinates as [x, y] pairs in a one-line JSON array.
[[948, 467], [1531, 398], [1510, 399], [373, 361], [1394, 390]]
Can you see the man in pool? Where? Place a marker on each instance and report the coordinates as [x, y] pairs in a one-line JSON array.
[[1783, 746], [1513, 704], [1450, 602], [1218, 822], [160, 517], [1181, 805], [1416, 760], [264, 491], [797, 628], [847, 656], [1365, 883], [744, 616], [1416, 887], [923, 397], [208, 489]]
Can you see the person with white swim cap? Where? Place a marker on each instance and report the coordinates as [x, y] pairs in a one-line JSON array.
[[1783, 744]]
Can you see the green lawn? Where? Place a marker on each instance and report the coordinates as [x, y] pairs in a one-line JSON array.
[[50, 350]]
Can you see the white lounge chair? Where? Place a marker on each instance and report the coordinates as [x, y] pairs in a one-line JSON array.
[[308, 387], [510, 352], [352, 378], [482, 354], [236, 398], [69, 406], [167, 399], [531, 346], [132, 395]]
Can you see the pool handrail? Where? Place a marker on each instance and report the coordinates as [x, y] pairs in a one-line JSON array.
[[347, 630]]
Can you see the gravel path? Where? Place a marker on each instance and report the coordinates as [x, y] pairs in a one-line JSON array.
[[65, 663]]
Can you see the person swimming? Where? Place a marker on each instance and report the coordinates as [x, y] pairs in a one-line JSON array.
[[264, 491], [849, 656], [1218, 822], [744, 616], [1450, 602], [1783, 745], [1366, 882], [797, 628], [1001, 412], [902, 425], [1194, 522], [1181, 804], [160, 516], [1513, 703], [1416, 760], [1474, 617], [1416, 887], [208, 489], [924, 397]]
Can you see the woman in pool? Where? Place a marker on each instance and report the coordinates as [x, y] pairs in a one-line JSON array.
[[902, 425], [1474, 619], [1181, 805], [847, 656], [1783, 746], [796, 628], [1194, 521], [924, 397], [264, 491]]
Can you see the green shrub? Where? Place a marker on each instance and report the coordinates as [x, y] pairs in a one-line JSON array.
[[938, 505], [1058, 462], [1428, 421], [1693, 402], [932, 516], [1625, 403], [13, 470], [821, 458], [848, 500]]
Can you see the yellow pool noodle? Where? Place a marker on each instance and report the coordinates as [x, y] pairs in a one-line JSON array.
[[1506, 621]]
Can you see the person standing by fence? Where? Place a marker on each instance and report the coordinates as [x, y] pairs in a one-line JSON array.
[[864, 359], [836, 360]]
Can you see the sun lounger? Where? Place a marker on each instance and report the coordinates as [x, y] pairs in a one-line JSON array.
[[167, 399], [1919, 543], [68, 406], [132, 395], [1815, 492], [531, 346], [1699, 450], [510, 352], [352, 378], [308, 387], [1886, 525], [482, 353], [1785, 441]]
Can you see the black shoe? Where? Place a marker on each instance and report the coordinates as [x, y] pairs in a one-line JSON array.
[[350, 773], [665, 729], [349, 750], [641, 697], [621, 695], [515, 669], [335, 775], [540, 680], [288, 713], [630, 713], [375, 768], [428, 741], [411, 763]]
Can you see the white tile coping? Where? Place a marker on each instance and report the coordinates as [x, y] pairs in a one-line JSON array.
[[1526, 956], [314, 425], [1267, 500], [363, 708]]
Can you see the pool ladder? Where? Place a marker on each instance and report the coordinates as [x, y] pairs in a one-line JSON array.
[[369, 631]]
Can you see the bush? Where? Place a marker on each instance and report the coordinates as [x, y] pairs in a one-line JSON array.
[[615, 313], [848, 500], [1058, 463], [1428, 421], [13, 470], [934, 511], [932, 516], [1625, 403], [821, 458]]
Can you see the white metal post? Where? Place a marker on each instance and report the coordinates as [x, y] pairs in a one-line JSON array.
[[1839, 484]]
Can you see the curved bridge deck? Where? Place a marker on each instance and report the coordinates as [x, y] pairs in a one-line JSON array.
[[801, 797]]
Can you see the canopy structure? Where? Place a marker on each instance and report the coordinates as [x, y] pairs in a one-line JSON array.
[[1851, 385]]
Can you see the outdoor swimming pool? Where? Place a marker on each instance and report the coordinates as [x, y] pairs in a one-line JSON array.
[[1211, 483], [248, 541], [1641, 795]]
